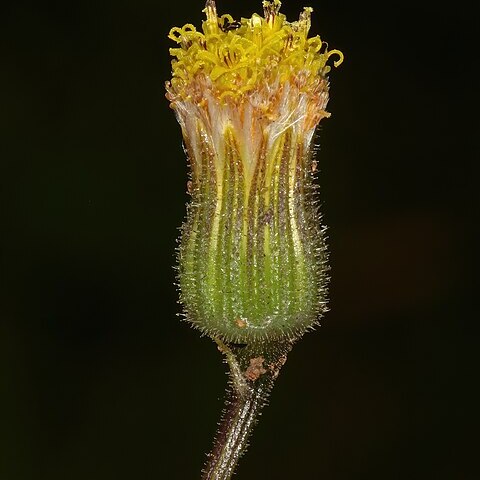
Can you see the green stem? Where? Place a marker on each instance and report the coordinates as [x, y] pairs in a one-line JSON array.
[[253, 371]]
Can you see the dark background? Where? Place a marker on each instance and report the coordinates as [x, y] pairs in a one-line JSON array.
[[100, 380]]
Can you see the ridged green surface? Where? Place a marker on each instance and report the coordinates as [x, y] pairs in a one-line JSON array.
[[252, 259]]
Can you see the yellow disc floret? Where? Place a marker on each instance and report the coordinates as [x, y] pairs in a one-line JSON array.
[[236, 57]]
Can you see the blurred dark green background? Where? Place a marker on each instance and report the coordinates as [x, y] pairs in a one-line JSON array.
[[100, 380]]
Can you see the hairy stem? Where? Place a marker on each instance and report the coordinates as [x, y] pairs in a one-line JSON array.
[[253, 371]]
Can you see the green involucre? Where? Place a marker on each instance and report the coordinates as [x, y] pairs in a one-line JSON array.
[[252, 259]]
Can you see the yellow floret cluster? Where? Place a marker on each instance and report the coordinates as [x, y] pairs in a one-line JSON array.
[[234, 58]]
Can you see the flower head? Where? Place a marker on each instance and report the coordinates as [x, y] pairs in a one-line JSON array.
[[248, 96]]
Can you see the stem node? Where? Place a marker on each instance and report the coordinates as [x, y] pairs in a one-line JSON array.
[[253, 371]]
